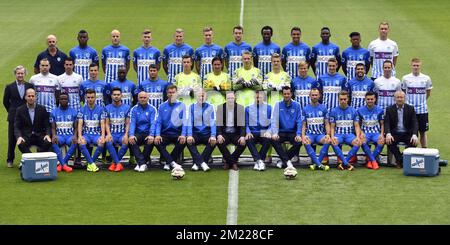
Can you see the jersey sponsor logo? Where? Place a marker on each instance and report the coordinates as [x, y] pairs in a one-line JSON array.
[[126, 96], [315, 121], [353, 63], [386, 93], [117, 121], [383, 55], [83, 62], [71, 90], [302, 93], [155, 95], [265, 58], [236, 59], [47, 89], [370, 123], [359, 94], [115, 61], [145, 62], [64, 125], [344, 123], [175, 61], [331, 89], [417, 90], [92, 123], [206, 60], [295, 59], [324, 58]]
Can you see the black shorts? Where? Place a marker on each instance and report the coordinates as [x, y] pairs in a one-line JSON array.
[[422, 120]]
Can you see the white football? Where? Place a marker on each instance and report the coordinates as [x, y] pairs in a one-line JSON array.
[[290, 173], [177, 173]]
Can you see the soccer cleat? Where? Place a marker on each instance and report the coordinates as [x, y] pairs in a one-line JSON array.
[[256, 167], [312, 167], [91, 167], [112, 167], [324, 167], [289, 164], [325, 160], [119, 167], [375, 165], [136, 168], [350, 167], [59, 168], [279, 164], [67, 169], [194, 167], [166, 167], [262, 165], [369, 165], [143, 168], [204, 166], [340, 166]]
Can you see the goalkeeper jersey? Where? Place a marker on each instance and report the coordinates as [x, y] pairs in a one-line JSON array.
[[186, 83], [246, 96], [221, 83], [274, 83]]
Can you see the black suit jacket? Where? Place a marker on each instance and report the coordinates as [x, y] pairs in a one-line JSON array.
[[12, 100], [239, 119], [23, 126], [409, 119]]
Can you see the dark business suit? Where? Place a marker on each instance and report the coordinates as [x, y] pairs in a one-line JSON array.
[[390, 126], [11, 101], [32, 132]]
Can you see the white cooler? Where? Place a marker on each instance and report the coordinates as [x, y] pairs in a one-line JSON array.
[[39, 166], [421, 162]]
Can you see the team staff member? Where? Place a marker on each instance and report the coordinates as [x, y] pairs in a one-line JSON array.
[[55, 57]]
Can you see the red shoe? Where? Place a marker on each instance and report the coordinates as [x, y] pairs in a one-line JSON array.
[[354, 159], [112, 167], [119, 167], [369, 165], [325, 160], [59, 168], [375, 165], [67, 169]]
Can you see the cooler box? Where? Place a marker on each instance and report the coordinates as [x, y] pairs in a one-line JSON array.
[[39, 166], [421, 162]]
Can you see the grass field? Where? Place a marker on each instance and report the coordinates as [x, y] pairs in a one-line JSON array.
[[359, 197]]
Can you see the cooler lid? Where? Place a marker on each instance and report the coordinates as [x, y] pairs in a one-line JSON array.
[[38, 155], [421, 151]]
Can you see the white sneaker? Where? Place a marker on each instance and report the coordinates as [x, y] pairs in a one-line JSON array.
[[166, 167], [289, 164], [256, 167], [194, 167], [175, 165], [143, 168], [262, 166], [279, 164], [205, 166], [136, 168]]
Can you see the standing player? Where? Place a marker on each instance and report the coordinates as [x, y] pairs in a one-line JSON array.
[[246, 80], [354, 55], [70, 84], [83, 55], [331, 84], [114, 56], [187, 82], [294, 53], [418, 89], [117, 126], [372, 126], [322, 52], [55, 56], [154, 87], [216, 83], [386, 85], [262, 53], [145, 56], [46, 85], [276, 80], [173, 53], [127, 87], [205, 53], [382, 49], [302, 84], [233, 51], [99, 86], [359, 86], [64, 120], [91, 129]]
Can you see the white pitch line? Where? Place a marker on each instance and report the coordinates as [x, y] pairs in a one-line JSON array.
[[241, 15], [232, 210]]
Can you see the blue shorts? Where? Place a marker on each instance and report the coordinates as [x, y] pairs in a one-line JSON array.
[[372, 138], [91, 139], [117, 139], [345, 138], [64, 140], [315, 138]]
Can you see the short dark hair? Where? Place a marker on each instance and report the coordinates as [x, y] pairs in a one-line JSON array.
[[63, 94], [69, 59], [286, 88], [370, 93], [153, 66], [146, 31], [90, 91], [325, 28], [344, 92], [82, 31], [360, 64], [186, 56], [296, 28], [93, 64], [172, 87], [267, 28], [388, 61], [116, 89], [238, 28], [215, 59], [355, 33]]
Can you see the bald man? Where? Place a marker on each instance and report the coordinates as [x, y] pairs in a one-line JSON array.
[[114, 56], [54, 55]]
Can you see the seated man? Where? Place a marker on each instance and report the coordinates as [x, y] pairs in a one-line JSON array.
[[316, 129], [142, 130], [64, 120], [371, 117], [117, 127], [201, 130], [257, 122], [400, 125], [344, 124], [231, 130], [286, 125], [31, 125], [91, 129], [171, 128]]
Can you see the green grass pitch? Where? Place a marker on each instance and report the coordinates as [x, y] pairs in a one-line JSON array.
[[360, 197]]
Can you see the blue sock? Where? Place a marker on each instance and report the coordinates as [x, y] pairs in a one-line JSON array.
[[312, 154], [352, 152], [366, 150], [97, 152], [86, 154], [323, 152], [377, 150], [70, 152], [58, 153], [338, 152], [112, 152], [123, 150]]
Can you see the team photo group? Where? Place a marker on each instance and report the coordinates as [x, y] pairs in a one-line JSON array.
[[259, 97]]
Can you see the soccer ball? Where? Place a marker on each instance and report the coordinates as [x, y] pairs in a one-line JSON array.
[[177, 173], [290, 173]]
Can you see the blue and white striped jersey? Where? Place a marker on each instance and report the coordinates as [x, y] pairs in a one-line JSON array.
[[128, 89], [204, 54], [315, 118], [143, 58], [301, 87], [416, 91], [331, 85], [321, 53], [91, 119], [71, 86], [263, 54], [351, 57], [114, 57], [293, 54], [156, 90], [379, 52], [386, 88], [64, 120], [117, 116], [172, 57], [46, 87], [371, 119], [100, 88], [83, 57], [233, 55], [358, 89], [344, 119]]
